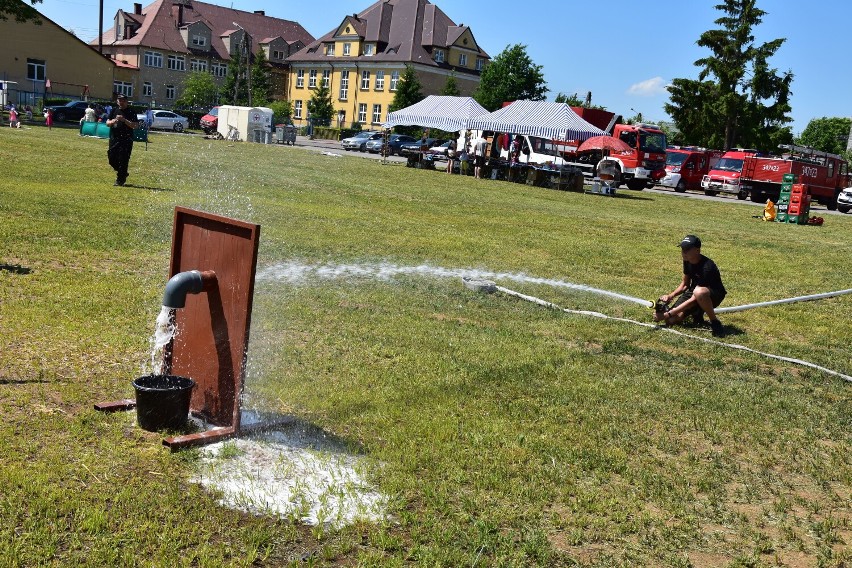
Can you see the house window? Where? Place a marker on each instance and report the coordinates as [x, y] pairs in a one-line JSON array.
[[197, 65], [377, 114], [347, 49], [153, 59], [277, 54], [344, 85], [297, 109], [480, 63], [462, 59], [199, 40], [329, 49], [218, 69], [170, 92], [380, 80], [147, 89], [36, 69], [312, 79], [123, 88], [300, 78], [326, 78], [439, 56], [394, 80], [368, 49], [365, 80], [362, 113], [177, 63]]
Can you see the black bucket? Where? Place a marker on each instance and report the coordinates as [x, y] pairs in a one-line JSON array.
[[162, 401]]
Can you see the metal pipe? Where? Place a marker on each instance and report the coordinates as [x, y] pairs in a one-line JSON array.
[[183, 283]]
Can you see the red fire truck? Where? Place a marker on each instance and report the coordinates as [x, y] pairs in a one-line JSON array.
[[647, 163], [825, 174], [724, 177], [686, 166]]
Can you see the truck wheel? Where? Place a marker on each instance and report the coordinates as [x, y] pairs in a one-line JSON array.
[[711, 192], [843, 208], [832, 204], [742, 195], [635, 184], [680, 187], [758, 197]]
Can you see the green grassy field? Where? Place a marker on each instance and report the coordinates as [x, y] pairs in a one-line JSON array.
[[506, 434]]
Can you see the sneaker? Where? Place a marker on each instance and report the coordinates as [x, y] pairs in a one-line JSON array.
[[118, 183], [698, 319], [717, 328]]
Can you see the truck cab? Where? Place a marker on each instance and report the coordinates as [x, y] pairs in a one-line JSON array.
[[648, 161], [687, 166], [724, 177]]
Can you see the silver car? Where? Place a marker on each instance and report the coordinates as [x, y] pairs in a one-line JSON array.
[[359, 141], [166, 120], [844, 200]]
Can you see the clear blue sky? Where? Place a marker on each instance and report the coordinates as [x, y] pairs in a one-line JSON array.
[[623, 51]]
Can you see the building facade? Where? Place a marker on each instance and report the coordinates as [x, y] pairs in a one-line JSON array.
[[169, 39], [362, 60], [43, 59]]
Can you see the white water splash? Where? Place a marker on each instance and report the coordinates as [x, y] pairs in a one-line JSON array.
[[295, 272], [291, 474], [164, 331]]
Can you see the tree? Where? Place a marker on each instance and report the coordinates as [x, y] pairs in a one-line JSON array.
[[409, 91], [451, 88], [826, 134], [281, 111], [19, 10], [738, 98], [321, 106], [575, 101], [199, 91], [261, 79], [235, 88], [510, 76]]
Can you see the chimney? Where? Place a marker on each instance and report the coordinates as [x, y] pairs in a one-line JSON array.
[[137, 9], [260, 12], [180, 15]]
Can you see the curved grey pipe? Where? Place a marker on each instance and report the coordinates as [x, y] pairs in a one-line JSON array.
[[179, 286]]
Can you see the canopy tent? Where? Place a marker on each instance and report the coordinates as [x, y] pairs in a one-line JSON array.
[[556, 121], [450, 114]]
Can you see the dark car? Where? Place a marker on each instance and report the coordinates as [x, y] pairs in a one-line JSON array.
[[73, 110], [210, 121], [409, 147], [393, 144]]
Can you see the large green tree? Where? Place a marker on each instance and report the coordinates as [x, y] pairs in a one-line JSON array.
[[826, 134], [409, 91], [510, 76], [235, 88], [739, 99], [261, 79], [19, 10], [321, 106], [199, 91]]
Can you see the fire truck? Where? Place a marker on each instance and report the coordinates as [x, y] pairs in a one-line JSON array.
[[647, 163], [686, 166], [825, 174], [724, 177]]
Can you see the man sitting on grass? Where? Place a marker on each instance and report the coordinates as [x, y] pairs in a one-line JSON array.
[[701, 289]]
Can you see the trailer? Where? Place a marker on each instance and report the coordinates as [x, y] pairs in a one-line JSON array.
[[245, 124]]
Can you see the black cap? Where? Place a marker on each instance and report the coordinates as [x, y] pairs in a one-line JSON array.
[[121, 96], [690, 241]]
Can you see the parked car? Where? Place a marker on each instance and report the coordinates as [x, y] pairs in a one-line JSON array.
[[844, 200], [210, 121], [409, 147], [393, 143], [73, 110], [440, 150], [359, 141], [167, 120]]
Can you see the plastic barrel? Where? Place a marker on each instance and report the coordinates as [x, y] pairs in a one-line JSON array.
[[162, 401]]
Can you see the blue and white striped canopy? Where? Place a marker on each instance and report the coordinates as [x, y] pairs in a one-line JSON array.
[[444, 113], [555, 121]]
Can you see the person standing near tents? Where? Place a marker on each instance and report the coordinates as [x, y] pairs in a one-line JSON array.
[[121, 122], [451, 156], [479, 148]]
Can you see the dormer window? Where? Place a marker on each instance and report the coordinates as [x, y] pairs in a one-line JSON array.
[[329, 49], [199, 40], [439, 56], [277, 54], [368, 49], [347, 49]]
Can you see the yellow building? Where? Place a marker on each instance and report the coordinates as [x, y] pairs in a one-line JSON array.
[[43, 58], [363, 58]]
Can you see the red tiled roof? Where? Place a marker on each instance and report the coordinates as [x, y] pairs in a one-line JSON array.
[[159, 30]]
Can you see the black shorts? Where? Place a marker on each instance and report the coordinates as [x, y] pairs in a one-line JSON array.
[[696, 309]]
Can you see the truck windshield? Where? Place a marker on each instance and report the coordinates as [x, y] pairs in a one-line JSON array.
[[675, 158], [545, 146], [730, 165], [654, 142]]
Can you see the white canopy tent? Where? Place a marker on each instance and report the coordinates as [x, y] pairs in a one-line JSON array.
[[555, 121], [450, 114]]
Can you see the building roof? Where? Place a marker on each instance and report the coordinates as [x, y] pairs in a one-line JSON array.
[[403, 30], [160, 24]]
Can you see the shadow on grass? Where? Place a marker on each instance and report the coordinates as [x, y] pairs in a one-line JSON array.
[[147, 187], [15, 268], [23, 381]]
